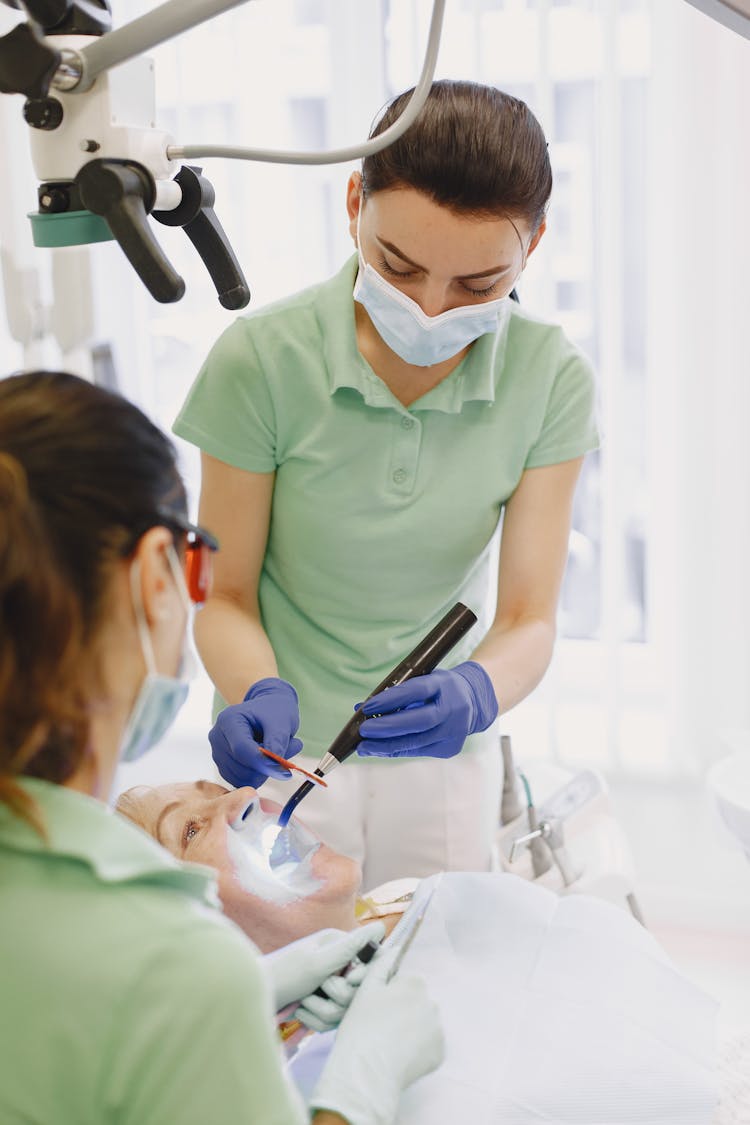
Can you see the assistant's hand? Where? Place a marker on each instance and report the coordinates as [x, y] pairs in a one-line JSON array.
[[390, 1036], [429, 716], [268, 716], [296, 970]]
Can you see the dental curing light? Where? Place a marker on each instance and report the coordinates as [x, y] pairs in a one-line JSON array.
[[424, 658]]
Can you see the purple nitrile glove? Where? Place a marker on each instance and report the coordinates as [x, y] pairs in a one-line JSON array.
[[268, 716], [429, 716]]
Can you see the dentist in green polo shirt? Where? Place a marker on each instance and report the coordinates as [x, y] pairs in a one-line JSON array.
[[374, 449], [126, 997]]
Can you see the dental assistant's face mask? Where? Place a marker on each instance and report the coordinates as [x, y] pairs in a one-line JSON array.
[[417, 338], [159, 697]]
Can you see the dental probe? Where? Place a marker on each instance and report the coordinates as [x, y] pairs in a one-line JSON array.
[[422, 659]]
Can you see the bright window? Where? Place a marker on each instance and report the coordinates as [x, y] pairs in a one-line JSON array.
[[644, 263]]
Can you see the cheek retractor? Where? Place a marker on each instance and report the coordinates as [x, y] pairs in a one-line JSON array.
[[274, 843], [282, 850], [252, 837]]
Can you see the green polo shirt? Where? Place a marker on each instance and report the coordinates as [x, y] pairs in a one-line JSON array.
[[125, 995], [383, 516]]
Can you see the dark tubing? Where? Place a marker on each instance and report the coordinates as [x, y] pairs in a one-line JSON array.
[[422, 659]]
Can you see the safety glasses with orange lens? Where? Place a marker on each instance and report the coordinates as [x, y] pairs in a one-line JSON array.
[[199, 550]]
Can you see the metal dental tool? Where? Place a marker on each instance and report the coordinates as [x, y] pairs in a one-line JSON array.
[[424, 658], [408, 938], [535, 838], [576, 835], [510, 800]]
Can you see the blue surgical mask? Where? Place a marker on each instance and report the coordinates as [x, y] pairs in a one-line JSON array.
[[159, 697], [413, 335]]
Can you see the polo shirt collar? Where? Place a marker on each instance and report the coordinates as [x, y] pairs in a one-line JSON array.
[[472, 381], [84, 829]]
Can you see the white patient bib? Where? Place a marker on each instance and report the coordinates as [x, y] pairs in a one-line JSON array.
[[562, 1011]]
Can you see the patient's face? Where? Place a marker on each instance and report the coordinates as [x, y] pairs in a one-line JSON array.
[[233, 831]]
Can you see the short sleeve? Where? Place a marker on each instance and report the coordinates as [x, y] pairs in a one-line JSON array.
[[229, 412], [196, 1040], [569, 428]]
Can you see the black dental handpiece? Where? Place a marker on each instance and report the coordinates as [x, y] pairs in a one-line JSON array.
[[365, 955], [422, 659]]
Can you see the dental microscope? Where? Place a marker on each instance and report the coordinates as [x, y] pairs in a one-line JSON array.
[[104, 169]]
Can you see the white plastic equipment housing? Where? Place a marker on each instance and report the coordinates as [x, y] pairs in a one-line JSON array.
[[114, 119]]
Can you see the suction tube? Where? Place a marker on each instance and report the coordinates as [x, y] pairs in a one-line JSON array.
[[424, 658]]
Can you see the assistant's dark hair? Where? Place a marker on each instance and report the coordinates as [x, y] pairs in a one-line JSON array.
[[83, 474], [472, 148]]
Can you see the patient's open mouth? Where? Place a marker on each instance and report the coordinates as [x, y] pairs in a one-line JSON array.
[[272, 858]]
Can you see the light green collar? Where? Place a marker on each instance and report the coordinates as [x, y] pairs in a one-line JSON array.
[[82, 828], [472, 381]]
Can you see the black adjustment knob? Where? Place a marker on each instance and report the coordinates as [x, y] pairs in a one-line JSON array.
[[53, 199], [47, 13], [27, 65], [68, 17], [43, 113], [123, 193], [196, 215]]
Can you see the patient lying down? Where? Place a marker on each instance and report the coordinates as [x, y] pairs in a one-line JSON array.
[[561, 1010], [233, 831]]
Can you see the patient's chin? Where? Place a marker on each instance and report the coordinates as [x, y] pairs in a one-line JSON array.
[[270, 925], [340, 877]]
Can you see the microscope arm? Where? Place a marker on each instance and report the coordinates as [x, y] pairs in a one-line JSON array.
[[734, 14], [163, 23]]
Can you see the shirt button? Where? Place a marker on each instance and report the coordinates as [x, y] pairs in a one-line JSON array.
[[407, 423], [399, 476]]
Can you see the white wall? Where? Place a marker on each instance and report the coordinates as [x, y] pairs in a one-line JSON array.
[[696, 255]]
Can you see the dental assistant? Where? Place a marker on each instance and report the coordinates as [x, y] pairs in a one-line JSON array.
[[127, 997], [370, 447]]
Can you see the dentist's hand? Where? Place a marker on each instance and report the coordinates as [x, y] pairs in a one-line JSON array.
[[429, 716], [390, 1036], [296, 970], [268, 716]]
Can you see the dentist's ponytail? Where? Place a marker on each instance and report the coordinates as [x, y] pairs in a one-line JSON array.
[[83, 474], [40, 629]]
